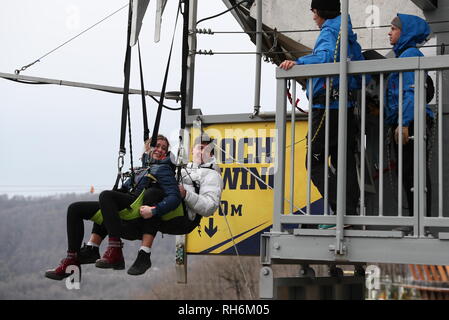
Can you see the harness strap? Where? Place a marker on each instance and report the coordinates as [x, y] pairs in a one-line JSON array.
[[125, 101], [321, 99], [146, 131], [164, 86]]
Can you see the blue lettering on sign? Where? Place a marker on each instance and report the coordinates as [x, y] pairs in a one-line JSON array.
[[258, 150], [225, 209]]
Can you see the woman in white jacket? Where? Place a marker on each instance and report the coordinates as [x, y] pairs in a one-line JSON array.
[[201, 187]]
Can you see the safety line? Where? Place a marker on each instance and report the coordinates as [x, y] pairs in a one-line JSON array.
[[239, 259], [17, 71]]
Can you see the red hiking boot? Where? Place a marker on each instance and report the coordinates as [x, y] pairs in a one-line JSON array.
[[113, 257], [61, 272]]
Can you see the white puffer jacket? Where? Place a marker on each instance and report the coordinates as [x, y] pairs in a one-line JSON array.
[[208, 179]]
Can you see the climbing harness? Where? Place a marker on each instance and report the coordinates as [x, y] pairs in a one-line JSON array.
[[337, 46]]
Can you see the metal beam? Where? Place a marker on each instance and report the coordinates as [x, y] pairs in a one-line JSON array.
[[110, 89], [342, 128], [407, 250], [258, 59], [370, 66], [240, 118], [192, 42]]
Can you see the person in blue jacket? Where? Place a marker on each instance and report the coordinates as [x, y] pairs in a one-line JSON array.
[[327, 16], [407, 31]]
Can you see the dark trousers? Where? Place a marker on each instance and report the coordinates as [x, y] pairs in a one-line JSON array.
[[318, 158], [407, 167], [76, 214], [110, 203]]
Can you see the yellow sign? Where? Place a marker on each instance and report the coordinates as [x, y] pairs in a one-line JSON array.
[[246, 154]]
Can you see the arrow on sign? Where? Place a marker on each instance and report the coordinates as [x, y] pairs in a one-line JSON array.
[[211, 230]]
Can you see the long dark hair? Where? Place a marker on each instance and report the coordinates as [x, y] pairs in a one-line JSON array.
[[146, 147]]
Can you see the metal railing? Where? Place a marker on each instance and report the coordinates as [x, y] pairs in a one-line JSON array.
[[380, 221]]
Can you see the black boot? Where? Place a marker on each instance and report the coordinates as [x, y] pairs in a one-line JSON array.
[[142, 264], [88, 254]]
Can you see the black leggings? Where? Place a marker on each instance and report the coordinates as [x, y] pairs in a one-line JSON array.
[[76, 214]]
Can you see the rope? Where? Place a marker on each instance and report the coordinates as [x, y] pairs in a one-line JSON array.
[[239, 259], [222, 13], [17, 71]]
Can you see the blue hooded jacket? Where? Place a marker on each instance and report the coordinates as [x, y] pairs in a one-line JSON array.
[[163, 171], [324, 51], [414, 31]]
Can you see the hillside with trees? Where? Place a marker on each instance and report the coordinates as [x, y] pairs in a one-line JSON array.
[[33, 239]]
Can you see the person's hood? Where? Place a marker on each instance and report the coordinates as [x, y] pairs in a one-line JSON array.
[[415, 30], [335, 23]]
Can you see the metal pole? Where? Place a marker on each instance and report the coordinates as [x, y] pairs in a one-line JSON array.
[[292, 150], [400, 143], [342, 127], [193, 13], [310, 137], [326, 150], [440, 144], [381, 145], [258, 58], [362, 148], [416, 182], [181, 240], [422, 163], [279, 175]]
